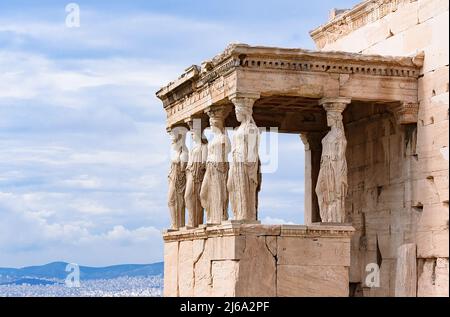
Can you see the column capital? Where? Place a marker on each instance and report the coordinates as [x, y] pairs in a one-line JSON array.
[[196, 124], [334, 103], [190, 122], [178, 128], [312, 140], [244, 99], [406, 112], [218, 111]]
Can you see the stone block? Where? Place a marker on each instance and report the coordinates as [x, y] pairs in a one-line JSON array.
[[257, 267], [202, 274], [432, 244], [432, 137], [171, 269], [424, 192], [226, 248], [433, 217], [434, 84], [377, 223], [391, 197], [416, 39], [433, 277], [406, 271], [387, 46], [378, 175], [198, 245], [433, 110], [271, 243], [356, 260], [404, 18], [388, 244], [224, 277], [437, 53], [316, 251], [431, 8], [432, 161], [185, 269], [334, 281]]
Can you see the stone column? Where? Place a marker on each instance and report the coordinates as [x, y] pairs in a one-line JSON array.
[[313, 151], [244, 180], [177, 177], [195, 172], [331, 187], [213, 192]]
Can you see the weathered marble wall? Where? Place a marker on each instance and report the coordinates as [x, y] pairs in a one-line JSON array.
[[398, 175], [251, 260]]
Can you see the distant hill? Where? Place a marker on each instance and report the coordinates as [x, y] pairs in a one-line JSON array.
[[29, 281], [56, 271]]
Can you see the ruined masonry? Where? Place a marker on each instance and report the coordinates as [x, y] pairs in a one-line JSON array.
[[371, 108]]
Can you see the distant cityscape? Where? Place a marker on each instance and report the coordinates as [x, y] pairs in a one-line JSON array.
[[118, 287], [49, 281]]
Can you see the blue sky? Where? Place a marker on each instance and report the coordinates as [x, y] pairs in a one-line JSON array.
[[83, 148]]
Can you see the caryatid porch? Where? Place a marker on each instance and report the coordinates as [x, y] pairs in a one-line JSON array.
[[297, 91]]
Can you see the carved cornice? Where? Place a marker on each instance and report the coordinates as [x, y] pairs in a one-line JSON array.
[[272, 58], [362, 14], [234, 229], [180, 87], [218, 81]]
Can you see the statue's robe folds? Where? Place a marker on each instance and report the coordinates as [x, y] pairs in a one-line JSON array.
[[213, 193], [331, 188], [177, 186], [195, 172], [244, 178]]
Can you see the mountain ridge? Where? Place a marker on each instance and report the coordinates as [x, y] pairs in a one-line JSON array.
[[57, 271]]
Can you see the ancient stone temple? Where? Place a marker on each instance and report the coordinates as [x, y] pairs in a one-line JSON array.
[[371, 108]]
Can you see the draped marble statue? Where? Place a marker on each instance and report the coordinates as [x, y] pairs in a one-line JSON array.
[[177, 177], [244, 178], [195, 172], [331, 188], [213, 193]]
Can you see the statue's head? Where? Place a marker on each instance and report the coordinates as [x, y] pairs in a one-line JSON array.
[[215, 122], [198, 137], [177, 138], [334, 119], [243, 113], [196, 131]]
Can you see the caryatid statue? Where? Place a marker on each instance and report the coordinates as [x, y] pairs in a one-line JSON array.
[[177, 177], [244, 178], [213, 193], [331, 187], [195, 172]]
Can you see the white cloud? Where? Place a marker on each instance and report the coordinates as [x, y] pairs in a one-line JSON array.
[[25, 231], [139, 234], [275, 221], [84, 181], [90, 207], [31, 75]]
